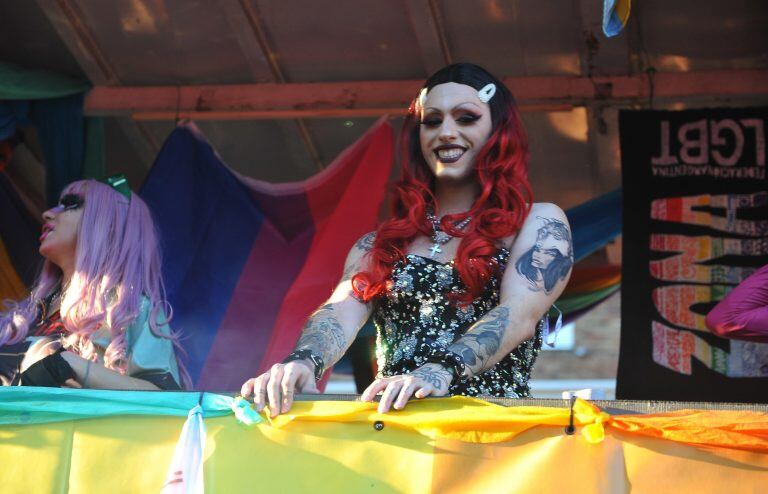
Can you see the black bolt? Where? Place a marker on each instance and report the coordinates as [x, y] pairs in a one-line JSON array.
[[378, 425]]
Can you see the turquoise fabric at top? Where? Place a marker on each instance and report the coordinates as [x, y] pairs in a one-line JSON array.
[[21, 405], [17, 83]]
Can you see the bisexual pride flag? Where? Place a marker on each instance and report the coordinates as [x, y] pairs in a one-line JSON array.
[[244, 261]]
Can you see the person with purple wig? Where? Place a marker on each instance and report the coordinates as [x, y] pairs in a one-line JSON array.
[[98, 315]]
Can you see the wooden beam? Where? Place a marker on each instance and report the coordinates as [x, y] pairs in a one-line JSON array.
[[427, 25], [67, 20], [246, 22], [251, 40], [372, 98]]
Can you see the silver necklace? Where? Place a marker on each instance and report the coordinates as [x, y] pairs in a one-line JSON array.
[[439, 237]]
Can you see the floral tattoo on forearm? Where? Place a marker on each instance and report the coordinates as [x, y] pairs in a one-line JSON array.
[[324, 335], [550, 259], [483, 340]]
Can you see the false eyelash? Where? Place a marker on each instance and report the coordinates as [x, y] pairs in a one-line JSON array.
[[430, 123], [71, 201], [469, 118]]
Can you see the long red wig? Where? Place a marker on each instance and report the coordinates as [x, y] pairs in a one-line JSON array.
[[501, 169]]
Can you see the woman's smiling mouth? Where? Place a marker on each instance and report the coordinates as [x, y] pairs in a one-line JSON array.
[[449, 154]]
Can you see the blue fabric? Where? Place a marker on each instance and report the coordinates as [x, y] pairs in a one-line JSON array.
[[54, 104], [12, 115], [612, 24], [60, 126], [595, 223], [206, 217]]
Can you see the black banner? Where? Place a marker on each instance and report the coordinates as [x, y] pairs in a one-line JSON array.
[[695, 223]]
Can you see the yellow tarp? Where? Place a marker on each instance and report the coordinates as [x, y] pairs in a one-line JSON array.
[[441, 446]]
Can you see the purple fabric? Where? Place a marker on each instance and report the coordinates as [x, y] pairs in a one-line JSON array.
[[743, 313]]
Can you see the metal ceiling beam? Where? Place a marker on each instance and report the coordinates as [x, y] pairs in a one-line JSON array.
[[372, 98], [254, 43], [67, 20], [427, 23]]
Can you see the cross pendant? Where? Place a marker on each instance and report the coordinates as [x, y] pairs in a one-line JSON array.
[[434, 250]]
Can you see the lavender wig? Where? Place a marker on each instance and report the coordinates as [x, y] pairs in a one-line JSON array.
[[117, 264]]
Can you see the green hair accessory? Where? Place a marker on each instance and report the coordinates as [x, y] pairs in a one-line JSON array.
[[119, 183]]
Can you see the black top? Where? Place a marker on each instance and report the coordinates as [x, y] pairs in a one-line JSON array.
[[416, 311]]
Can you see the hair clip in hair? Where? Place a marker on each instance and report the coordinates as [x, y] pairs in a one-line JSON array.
[[422, 99], [119, 183], [487, 92]]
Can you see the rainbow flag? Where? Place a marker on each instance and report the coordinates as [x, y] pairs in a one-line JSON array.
[[245, 262], [84, 441]]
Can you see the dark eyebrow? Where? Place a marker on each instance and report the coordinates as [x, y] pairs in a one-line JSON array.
[[457, 107]]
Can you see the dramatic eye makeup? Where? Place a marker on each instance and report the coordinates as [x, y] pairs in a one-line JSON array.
[[464, 117], [71, 201], [468, 118], [432, 118]]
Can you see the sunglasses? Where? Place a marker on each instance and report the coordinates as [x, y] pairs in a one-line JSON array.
[[70, 202]]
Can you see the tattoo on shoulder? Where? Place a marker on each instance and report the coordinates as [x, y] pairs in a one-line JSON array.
[[365, 242], [550, 259], [350, 271]]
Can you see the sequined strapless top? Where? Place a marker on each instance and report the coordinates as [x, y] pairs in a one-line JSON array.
[[417, 310]]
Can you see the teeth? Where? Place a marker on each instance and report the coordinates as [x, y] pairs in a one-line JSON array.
[[450, 153]]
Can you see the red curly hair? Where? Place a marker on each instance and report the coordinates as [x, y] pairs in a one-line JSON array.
[[499, 211]]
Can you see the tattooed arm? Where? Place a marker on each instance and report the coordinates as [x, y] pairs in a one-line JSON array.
[[331, 329], [328, 333], [531, 283], [539, 267]]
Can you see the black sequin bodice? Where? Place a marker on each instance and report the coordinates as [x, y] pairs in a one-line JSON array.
[[417, 310]]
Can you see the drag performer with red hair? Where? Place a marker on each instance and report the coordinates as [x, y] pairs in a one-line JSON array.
[[459, 278]]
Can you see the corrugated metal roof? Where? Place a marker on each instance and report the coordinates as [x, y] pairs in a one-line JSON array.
[[184, 42]]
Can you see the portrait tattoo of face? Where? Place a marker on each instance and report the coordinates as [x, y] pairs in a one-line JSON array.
[[551, 257]]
